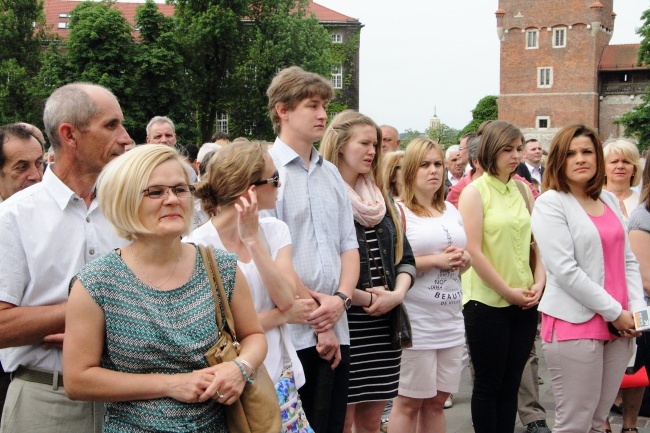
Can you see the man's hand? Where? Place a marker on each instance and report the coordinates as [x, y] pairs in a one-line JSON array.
[[328, 348], [330, 311]]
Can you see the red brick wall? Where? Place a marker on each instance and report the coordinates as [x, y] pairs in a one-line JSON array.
[[573, 95]]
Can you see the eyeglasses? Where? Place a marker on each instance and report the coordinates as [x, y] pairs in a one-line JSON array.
[[159, 192], [275, 180]]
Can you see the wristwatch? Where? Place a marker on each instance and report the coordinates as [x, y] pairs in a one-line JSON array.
[[347, 302]]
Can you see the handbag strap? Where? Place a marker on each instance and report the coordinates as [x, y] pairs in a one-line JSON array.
[[524, 193], [216, 284]]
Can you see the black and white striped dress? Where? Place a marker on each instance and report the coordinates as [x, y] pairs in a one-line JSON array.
[[374, 364]]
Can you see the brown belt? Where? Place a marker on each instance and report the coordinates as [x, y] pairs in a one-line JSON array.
[[45, 377]]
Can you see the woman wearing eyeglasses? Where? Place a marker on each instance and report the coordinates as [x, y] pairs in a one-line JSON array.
[[140, 319], [242, 180]]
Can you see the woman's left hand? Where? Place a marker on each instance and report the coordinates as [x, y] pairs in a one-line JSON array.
[[227, 385], [383, 300], [537, 290], [248, 217]]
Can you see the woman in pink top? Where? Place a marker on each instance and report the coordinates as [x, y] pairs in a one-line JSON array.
[[592, 285]]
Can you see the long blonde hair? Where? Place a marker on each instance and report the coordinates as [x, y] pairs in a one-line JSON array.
[[336, 136]]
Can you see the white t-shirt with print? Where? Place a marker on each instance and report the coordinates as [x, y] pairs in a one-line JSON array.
[[434, 303]]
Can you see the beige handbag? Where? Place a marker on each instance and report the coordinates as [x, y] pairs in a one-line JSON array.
[[257, 410]]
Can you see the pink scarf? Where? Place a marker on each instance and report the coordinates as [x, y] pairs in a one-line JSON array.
[[368, 203]]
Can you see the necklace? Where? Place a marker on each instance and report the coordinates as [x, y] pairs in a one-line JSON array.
[[147, 276]]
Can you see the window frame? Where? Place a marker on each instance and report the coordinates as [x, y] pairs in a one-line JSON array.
[[337, 77], [540, 119], [556, 31], [337, 38], [536, 37], [547, 81]]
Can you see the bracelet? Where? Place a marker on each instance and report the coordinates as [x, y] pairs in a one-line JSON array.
[[243, 371], [370, 304], [253, 372]]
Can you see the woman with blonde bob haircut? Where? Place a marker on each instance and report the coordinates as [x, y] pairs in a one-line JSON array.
[[140, 319], [242, 180], [500, 291], [352, 143], [593, 282], [623, 172], [431, 368]]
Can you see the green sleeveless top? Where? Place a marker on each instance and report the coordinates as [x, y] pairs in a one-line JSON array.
[[506, 241], [155, 331]]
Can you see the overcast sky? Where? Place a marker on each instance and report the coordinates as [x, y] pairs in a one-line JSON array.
[[421, 54]]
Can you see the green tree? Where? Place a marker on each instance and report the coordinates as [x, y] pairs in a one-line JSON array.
[[486, 109], [22, 27], [637, 121], [160, 87], [210, 33], [408, 136], [444, 135], [280, 34], [100, 50]]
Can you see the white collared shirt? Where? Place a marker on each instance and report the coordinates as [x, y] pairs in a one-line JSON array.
[[452, 178], [47, 234], [535, 173]]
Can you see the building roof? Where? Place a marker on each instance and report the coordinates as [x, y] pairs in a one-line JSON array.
[[620, 57], [328, 15], [57, 13]]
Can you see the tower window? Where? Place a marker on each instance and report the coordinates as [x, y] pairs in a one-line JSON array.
[[545, 77], [559, 37], [543, 122], [532, 37]]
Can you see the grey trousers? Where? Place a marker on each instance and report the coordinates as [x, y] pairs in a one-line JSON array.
[[37, 408], [529, 407], [586, 375]]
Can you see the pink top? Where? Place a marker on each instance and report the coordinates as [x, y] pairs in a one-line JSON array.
[[454, 191], [612, 237]]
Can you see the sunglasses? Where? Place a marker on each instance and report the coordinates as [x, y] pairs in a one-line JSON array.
[[275, 180]]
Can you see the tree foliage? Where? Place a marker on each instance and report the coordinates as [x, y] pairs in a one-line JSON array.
[[443, 134], [22, 27], [212, 56], [637, 121], [279, 34], [486, 109]]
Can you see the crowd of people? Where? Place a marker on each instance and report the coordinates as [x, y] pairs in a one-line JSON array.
[[107, 307]]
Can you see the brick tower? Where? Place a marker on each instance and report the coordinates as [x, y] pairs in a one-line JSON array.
[[550, 52]]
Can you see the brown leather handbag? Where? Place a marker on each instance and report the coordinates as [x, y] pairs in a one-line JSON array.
[[257, 410]]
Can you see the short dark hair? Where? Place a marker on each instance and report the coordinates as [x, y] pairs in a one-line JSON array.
[[192, 152], [554, 174], [220, 135], [495, 136], [13, 130]]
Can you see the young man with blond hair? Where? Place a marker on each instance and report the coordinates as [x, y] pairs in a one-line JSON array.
[[314, 203]]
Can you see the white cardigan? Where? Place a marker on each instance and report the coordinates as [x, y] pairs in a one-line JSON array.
[[572, 254]]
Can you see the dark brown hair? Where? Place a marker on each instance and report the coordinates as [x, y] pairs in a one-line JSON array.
[[495, 136], [555, 173]]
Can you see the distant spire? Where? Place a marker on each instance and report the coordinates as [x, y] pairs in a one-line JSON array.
[[434, 111]]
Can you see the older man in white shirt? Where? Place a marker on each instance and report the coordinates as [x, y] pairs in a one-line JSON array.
[[49, 231]]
